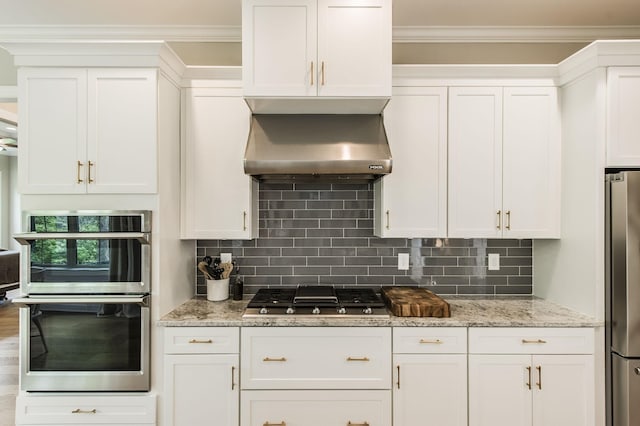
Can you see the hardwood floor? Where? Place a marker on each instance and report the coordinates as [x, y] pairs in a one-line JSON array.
[[8, 362]]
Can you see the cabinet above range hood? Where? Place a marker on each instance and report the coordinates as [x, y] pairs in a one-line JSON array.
[[313, 146]]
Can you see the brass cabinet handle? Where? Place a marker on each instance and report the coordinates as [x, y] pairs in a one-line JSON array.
[[268, 359], [200, 341], [529, 382], [244, 220], [398, 382], [432, 342], [539, 383], [274, 424], [322, 73], [363, 359], [539, 341], [358, 424], [233, 375], [91, 164], [79, 411], [508, 220], [79, 179], [499, 214], [387, 213], [312, 73]]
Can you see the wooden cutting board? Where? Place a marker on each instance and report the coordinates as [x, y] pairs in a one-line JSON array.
[[415, 302]]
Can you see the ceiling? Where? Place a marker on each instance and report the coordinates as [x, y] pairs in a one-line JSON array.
[[405, 12]]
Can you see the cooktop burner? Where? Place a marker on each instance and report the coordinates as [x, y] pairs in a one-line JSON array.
[[316, 301]]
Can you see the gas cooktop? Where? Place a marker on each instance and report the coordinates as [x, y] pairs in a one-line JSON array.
[[316, 301]]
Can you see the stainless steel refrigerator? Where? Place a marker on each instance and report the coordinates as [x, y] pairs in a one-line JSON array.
[[623, 297]]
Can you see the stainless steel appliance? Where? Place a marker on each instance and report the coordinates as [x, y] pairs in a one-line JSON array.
[[84, 313], [312, 301], [623, 297]]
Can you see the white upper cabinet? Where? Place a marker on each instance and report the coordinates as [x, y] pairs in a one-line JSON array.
[[411, 202], [88, 130], [623, 110], [218, 199], [504, 162], [309, 48]]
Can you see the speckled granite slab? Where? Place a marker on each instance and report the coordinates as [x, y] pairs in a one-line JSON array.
[[508, 311]]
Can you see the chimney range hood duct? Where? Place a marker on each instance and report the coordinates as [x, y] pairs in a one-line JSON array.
[[324, 146]]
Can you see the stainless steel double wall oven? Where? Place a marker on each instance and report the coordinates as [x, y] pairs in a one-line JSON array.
[[84, 317]]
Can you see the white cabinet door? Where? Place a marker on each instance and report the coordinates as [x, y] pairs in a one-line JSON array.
[[531, 163], [411, 202], [623, 110], [475, 162], [88, 131], [430, 387], [563, 390], [279, 55], [504, 162], [218, 199], [316, 408], [354, 47], [330, 48], [201, 390], [499, 390], [53, 130], [122, 130]]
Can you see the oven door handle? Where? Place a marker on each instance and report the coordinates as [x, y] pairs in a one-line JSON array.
[[36, 300], [26, 237]]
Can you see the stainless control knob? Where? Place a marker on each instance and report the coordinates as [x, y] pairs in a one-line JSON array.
[[316, 311], [342, 310], [290, 310], [263, 310], [367, 310]]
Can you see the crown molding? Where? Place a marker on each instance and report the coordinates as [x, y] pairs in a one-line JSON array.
[[407, 34], [175, 33], [512, 34]]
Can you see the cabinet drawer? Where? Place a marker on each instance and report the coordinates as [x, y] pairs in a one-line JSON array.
[[316, 408], [122, 409], [316, 358], [531, 340], [429, 340], [201, 340]]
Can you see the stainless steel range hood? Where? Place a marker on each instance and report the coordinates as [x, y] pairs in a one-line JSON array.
[[335, 146]]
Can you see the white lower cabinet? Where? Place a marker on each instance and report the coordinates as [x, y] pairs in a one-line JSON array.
[[523, 377], [316, 376], [201, 376], [316, 408], [123, 409], [430, 385]]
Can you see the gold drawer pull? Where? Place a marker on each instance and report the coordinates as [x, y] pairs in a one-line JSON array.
[[539, 341], [78, 178], [358, 424], [528, 384], [200, 341], [432, 342], [364, 359], [91, 164], [539, 383], [274, 424], [281, 359], [79, 411]]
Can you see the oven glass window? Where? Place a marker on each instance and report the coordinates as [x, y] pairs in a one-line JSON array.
[[85, 260], [85, 337]]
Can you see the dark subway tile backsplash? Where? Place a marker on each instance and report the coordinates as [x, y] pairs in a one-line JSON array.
[[322, 233]]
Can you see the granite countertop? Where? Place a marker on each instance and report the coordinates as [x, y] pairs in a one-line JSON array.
[[486, 311]]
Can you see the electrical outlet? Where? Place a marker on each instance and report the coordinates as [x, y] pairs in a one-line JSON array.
[[494, 261], [403, 261], [225, 257]]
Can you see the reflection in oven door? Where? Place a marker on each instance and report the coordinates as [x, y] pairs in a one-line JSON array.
[[84, 344]]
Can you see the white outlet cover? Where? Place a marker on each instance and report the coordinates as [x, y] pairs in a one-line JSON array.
[[494, 261], [225, 257], [403, 261]]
